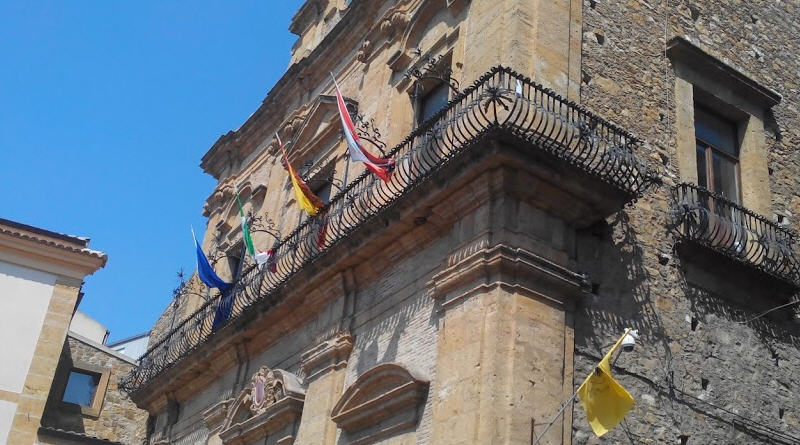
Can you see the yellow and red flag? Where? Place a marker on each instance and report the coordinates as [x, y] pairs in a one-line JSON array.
[[306, 199]]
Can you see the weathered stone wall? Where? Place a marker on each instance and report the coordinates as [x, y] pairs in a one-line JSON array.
[[393, 321], [119, 419], [701, 374]]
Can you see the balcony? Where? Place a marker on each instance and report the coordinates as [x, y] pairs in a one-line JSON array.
[[502, 108], [725, 228]]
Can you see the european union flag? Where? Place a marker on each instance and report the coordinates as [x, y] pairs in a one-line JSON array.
[[206, 272]]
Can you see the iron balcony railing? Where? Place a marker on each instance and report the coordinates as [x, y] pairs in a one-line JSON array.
[[720, 224], [500, 103]]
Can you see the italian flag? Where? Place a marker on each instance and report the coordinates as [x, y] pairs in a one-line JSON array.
[[382, 167], [260, 257]]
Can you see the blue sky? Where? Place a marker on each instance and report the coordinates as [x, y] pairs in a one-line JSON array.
[[105, 111]]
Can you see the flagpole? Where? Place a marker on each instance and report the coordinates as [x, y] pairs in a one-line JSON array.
[[552, 422], [574, 395]]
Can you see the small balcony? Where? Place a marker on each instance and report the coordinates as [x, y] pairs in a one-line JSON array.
[[717, 224], [590, 164]]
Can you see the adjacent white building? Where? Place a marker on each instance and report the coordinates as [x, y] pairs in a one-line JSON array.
[[41, 273], [134, 347]]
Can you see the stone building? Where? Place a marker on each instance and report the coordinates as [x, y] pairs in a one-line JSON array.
[[58, 381], [85, 404], [41, 274], [565, 169]]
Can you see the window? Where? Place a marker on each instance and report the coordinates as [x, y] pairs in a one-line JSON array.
[[432, 101], [235, 255], [322, 188], [717, 154], [81, 387]]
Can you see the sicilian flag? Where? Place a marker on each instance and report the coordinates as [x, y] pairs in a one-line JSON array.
[[206, 272], [380, 166], [306, 199]]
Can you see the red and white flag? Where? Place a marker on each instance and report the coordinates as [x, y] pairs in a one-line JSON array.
[[380, 166]]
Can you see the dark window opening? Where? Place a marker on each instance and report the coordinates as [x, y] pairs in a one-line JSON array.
[[717, 154], [322, 188], [235, 256], [81, 387], [432, 101]]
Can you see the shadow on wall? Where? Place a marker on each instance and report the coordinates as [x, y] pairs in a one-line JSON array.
[[621, 293], [65, 416], [367, 343], [643, 291]]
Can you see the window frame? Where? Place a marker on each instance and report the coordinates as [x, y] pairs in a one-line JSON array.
[[704, 80], [427, 93], [711, 149], [94, 409]]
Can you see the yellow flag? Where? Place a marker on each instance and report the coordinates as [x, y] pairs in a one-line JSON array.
[[605, 401]]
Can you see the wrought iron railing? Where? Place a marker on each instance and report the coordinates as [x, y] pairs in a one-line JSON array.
[[500, 103], [722, 225]]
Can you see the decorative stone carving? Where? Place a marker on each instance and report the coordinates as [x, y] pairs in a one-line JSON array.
[[399, 19], [364, 52], [386, 26], [266, 390], [271, 405], [394, 23], [389, 395]]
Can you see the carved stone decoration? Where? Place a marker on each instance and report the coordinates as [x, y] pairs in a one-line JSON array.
[[399, 19], [271, 405], [265, 390], [388, 396], [394, 23], [364, 52]]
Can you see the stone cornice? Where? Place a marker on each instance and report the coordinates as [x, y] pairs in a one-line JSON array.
[[302, 18], [682, 51], [328, 355], [515, 269]]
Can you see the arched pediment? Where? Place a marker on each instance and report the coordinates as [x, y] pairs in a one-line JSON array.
[[388, 394], [321, 121], [435, 19], [271, 404]]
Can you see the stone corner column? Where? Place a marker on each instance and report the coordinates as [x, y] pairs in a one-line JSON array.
[[325, 366], [47, 352], [505, 362]]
